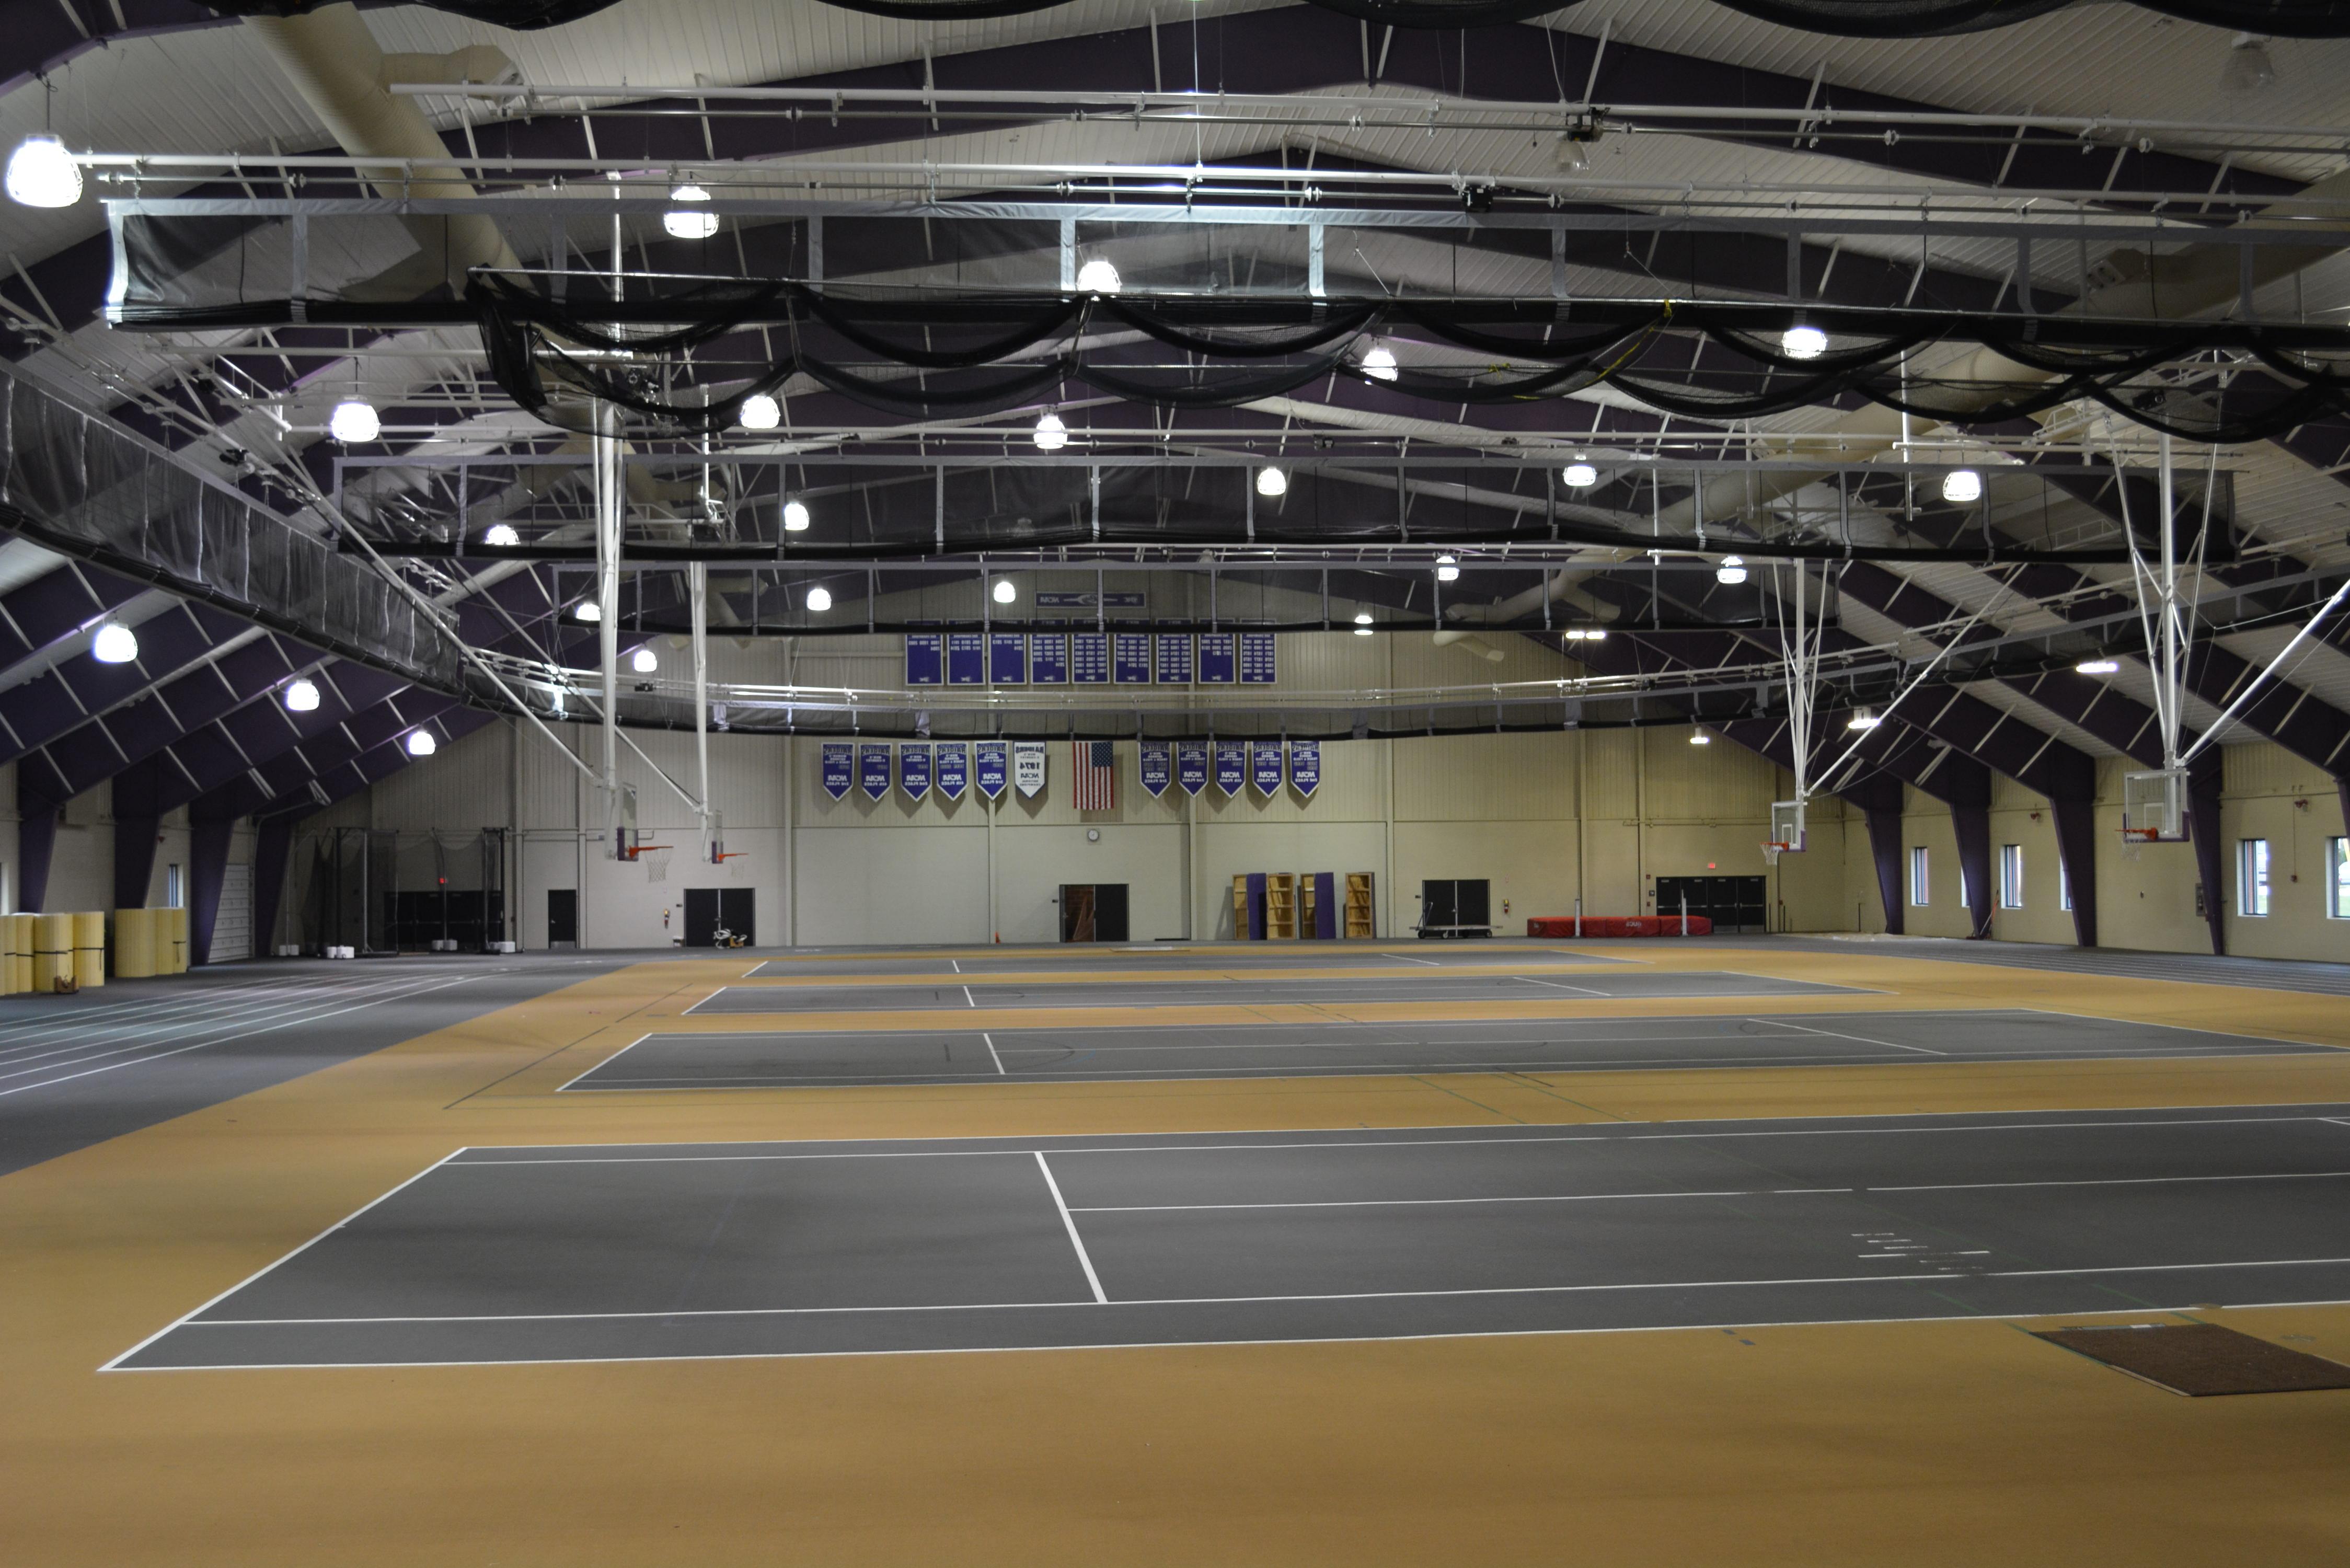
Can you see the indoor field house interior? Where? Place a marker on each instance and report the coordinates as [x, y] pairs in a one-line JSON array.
[[872, 782]]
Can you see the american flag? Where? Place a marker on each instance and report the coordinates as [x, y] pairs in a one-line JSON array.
[[1097, 779]]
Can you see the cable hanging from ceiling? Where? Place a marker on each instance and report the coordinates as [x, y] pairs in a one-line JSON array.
[[921, 353]]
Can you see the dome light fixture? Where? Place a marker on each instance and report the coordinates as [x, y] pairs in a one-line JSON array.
[[1962, 486], [1700, 738], [796, 517], [1050, 434], [587, 610], [1802, 342], [644, 662], [500, 537], [2098, 666], [2249, 67], [421, 744], [1580, 474], [1098, 277], [1448, 570], [1862, 718], [1731, 572], [819, 600], [302, 695], [1380, 363], [1271, 484], [685, 222], [1362, 623], [354, 421], [114, 644], [1003, 592], [759, 413], [1584, 634], [42, 173]]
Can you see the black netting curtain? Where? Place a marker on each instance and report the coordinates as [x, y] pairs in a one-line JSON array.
[[1848, 19], [925, 355]]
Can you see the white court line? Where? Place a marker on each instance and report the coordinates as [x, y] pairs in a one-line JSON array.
[[955, 964], [257, 1273], [1557, 986], [2181, 1028], [1069, 1222], [607, 1061], [998, 1060], [1838, 1034], [1408, 958], [1484, 1142], [124, 1039], [1588, 1289], [243, 1034], [2120, 1181], [968, 997]]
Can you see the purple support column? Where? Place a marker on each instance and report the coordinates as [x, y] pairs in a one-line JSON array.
[[1885, 843], [276, 840], [1972, 824], [37, 838], [136, 824], [2203, 828], [208, 868], [2076, 846]]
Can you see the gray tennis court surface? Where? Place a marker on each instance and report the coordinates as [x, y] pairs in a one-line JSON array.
[[767, 1060], [779, 1249], [1337, 991], [1182, 960]]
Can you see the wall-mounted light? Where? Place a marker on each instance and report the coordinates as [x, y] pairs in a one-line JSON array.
[[1272, 482], [686, 222], [819, 600], [114, 644], [644, 662], [759, 413], [421, 744], [1962, 486], [354, 421]]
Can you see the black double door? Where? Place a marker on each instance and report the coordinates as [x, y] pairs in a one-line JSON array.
[[1462, 908], [1093, 911], [1731, 903], [707, 909]]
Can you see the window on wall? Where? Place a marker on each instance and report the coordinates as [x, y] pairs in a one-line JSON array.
[[2010, 875], [2063, 886], [173, 895], [2337, 878], [1918, 887], [2253, 876]]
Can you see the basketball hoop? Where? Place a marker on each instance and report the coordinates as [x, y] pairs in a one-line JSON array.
[[1772, 849]]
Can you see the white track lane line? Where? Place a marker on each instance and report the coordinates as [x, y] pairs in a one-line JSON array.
[[1069, 1223], [1839, 1034]]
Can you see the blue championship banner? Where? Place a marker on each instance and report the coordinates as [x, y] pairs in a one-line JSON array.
[[994, 767], [1264, 766], [1257, 668], [1306, 767], [1089, 658], [926, 658], [954, 768], [1190, 766], [839, 768], [1130, 657], [1231, 766], [1007, 661], [1174, 657], [1048, 658], [914, 769], [1217, 666], [1157, 765], [966, 657], [873, 769]]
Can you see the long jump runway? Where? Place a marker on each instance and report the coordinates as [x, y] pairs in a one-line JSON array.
[[1335, 991], [842, 1058], [633, 1251]]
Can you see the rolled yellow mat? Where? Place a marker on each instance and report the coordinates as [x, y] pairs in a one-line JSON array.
[[134, 944], [89, 948], [24, 937], [178, 940], [52, 953], [8, 986]]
